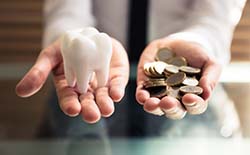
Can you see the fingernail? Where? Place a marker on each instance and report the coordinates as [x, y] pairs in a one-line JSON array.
[[199, 108], [175, 113], [171, 110], [180, 114], [157, 111], [190, 104]]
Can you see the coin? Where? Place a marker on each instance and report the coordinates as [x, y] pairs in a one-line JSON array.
[[171, 76], [159, 91], [190, 70], [159, 67], [171, 69], [191, 89], [152, 71], [149, 84], [174, 92], [176, 79], [178, 61], [163, 54], [146, 67], [155, 79], [154, 83], [190, 81]]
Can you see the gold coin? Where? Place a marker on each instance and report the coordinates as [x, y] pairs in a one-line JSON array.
[[191, 89], [159, 67], [152, 71], [167, 74], [146, 67], [178, 61], [155, 79], [171, 69], [176, 79], [163, 54], [190, 81], [190, 70], [153, 83], [149, 84]]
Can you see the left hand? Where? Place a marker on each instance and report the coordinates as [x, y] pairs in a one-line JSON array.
[[196, 57]]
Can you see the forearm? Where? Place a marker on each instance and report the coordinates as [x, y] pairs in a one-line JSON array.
[[211, 24], [62, 15]]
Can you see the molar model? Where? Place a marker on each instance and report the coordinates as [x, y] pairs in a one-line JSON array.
[[84, 52]]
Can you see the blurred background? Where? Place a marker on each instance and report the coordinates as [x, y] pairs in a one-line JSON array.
[[20, 43]]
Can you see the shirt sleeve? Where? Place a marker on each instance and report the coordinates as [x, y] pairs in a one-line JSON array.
[[211, 24], [62, 15]]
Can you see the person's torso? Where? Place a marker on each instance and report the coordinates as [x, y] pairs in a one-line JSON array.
[[165, 17]]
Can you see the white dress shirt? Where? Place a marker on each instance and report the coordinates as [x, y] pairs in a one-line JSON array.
[[208, 22]]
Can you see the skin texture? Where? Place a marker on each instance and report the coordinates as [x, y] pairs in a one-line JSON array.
[[97, 102], [196, 57]]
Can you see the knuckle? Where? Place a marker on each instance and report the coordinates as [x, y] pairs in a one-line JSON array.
[[212, 85], [36, 78]]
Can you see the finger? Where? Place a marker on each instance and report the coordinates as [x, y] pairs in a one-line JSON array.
[[209, 79], [194, 104], [82, 78], [117, 87], [104, 102], [90, 112], [147, 56], [141, 77], [67, 97], [37, 75], [172, 108], [141, 94], [152, 106], [119, 72]]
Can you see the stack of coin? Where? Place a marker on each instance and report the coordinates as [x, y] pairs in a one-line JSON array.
[[170, 75]]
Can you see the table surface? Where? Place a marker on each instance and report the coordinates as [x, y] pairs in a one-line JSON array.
[[188, 146]]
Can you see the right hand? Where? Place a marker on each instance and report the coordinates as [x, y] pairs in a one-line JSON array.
[[196, 57], [92, 105]]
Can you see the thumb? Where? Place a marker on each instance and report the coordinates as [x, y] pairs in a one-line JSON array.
[[37, 75]]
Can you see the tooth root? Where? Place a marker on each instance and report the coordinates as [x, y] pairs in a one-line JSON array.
[[64, 42], [70, 76], [102, 76], [82, 78]]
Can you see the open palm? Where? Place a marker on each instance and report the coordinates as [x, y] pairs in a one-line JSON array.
[[92, 105], [196, 57]]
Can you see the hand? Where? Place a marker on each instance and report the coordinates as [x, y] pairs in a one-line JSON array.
[[92, 105], [193, 104]]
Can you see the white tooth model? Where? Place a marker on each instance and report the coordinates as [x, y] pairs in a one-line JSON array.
[[84, 52]]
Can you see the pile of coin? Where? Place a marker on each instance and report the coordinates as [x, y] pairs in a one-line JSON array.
[[170, 75]]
